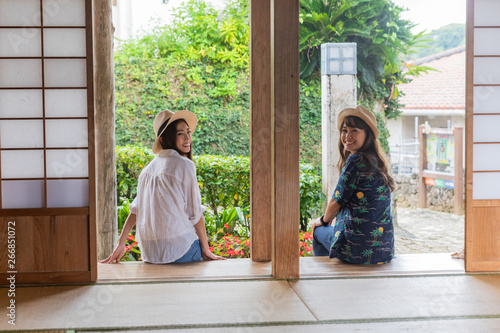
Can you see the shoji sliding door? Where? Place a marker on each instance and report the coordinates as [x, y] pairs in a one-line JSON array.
[[483, 136], [46, 140]]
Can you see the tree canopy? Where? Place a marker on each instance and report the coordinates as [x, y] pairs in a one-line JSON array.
[[383, 41]]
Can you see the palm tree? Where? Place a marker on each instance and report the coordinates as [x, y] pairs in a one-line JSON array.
[[367, 253]]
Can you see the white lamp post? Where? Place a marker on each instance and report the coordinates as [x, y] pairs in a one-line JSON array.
[[338, 91], [338, 58]]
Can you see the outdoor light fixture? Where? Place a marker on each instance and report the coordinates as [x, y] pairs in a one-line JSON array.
[[338, 58]]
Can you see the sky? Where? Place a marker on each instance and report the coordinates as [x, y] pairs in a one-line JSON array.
[[433, 14]]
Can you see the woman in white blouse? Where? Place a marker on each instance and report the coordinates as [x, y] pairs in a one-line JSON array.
[[167, 209]]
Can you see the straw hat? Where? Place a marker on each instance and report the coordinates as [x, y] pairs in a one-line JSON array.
[[360, 112], [165, 118]]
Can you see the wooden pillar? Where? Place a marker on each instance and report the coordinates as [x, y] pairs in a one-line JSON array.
[[260, 129], [285, 137], [458, 134], [104, 128], [422, 189]]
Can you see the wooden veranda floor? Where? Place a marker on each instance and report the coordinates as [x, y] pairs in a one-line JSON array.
[[414, 293]]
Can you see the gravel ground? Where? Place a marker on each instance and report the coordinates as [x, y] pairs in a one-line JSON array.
[[428, 231]]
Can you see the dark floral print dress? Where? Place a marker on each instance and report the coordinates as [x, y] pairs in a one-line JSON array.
[[363, 230]]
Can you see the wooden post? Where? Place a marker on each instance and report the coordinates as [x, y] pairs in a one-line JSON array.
[[285, 137], [105, 128], [422, 189], [260, 129], [459, 170]]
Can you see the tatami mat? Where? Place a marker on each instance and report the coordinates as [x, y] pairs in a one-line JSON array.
[[367, 304], [329, 296], [403, 297]]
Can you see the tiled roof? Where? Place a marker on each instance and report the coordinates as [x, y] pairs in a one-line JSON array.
[[442, 89]]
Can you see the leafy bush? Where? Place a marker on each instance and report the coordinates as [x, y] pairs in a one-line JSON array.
[[311, 195], [130, 161], [224, 183]]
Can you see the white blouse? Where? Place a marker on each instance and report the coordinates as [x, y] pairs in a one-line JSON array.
[[167, 205]]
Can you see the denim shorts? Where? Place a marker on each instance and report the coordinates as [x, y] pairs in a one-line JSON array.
[[193, 254]]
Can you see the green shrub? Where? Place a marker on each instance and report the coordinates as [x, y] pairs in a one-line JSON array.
[[224, 183], [130, 161], [311, 194]]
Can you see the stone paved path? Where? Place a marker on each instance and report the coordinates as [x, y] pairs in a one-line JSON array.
[[428, 231]]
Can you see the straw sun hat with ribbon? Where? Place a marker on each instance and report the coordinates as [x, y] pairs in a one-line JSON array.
[[165, 118], [360, 112]]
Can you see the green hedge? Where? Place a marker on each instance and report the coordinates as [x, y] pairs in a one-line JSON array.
[[224, 181]]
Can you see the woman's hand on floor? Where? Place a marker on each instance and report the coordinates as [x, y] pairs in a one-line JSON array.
[[207, 255], [115, 257]]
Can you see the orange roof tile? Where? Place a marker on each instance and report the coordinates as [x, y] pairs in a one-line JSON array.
[[441, 89]]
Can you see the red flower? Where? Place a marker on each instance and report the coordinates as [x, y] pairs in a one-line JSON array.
[[128, 247], [210, 248], [134, 244], [301, 253], [226, 226], [247, 243], [131, 237]]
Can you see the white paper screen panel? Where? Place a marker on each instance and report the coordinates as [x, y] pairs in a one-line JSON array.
[[68, 193], [22, 164], [486, 128], [21, 133], [65, 103], [20, 73], [23, 194], [486, 13], [64, 13], [487, 99], [20, 42], [20, 13], [487, 70], [485, 186], [487, 41], [64, 42], [21, 103], [65, 73], [486, 157], [66, 163], [66, 133]]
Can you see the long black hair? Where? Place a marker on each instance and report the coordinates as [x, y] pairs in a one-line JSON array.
[[370, 152]]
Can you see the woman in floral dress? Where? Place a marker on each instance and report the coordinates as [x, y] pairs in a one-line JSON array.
[[357, 225]]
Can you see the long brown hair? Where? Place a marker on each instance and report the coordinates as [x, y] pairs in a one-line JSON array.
[[370, 152], [168, 139]]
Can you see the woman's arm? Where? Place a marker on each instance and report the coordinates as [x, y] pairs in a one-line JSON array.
[[202, 235], [331, 211], [119, 250]]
